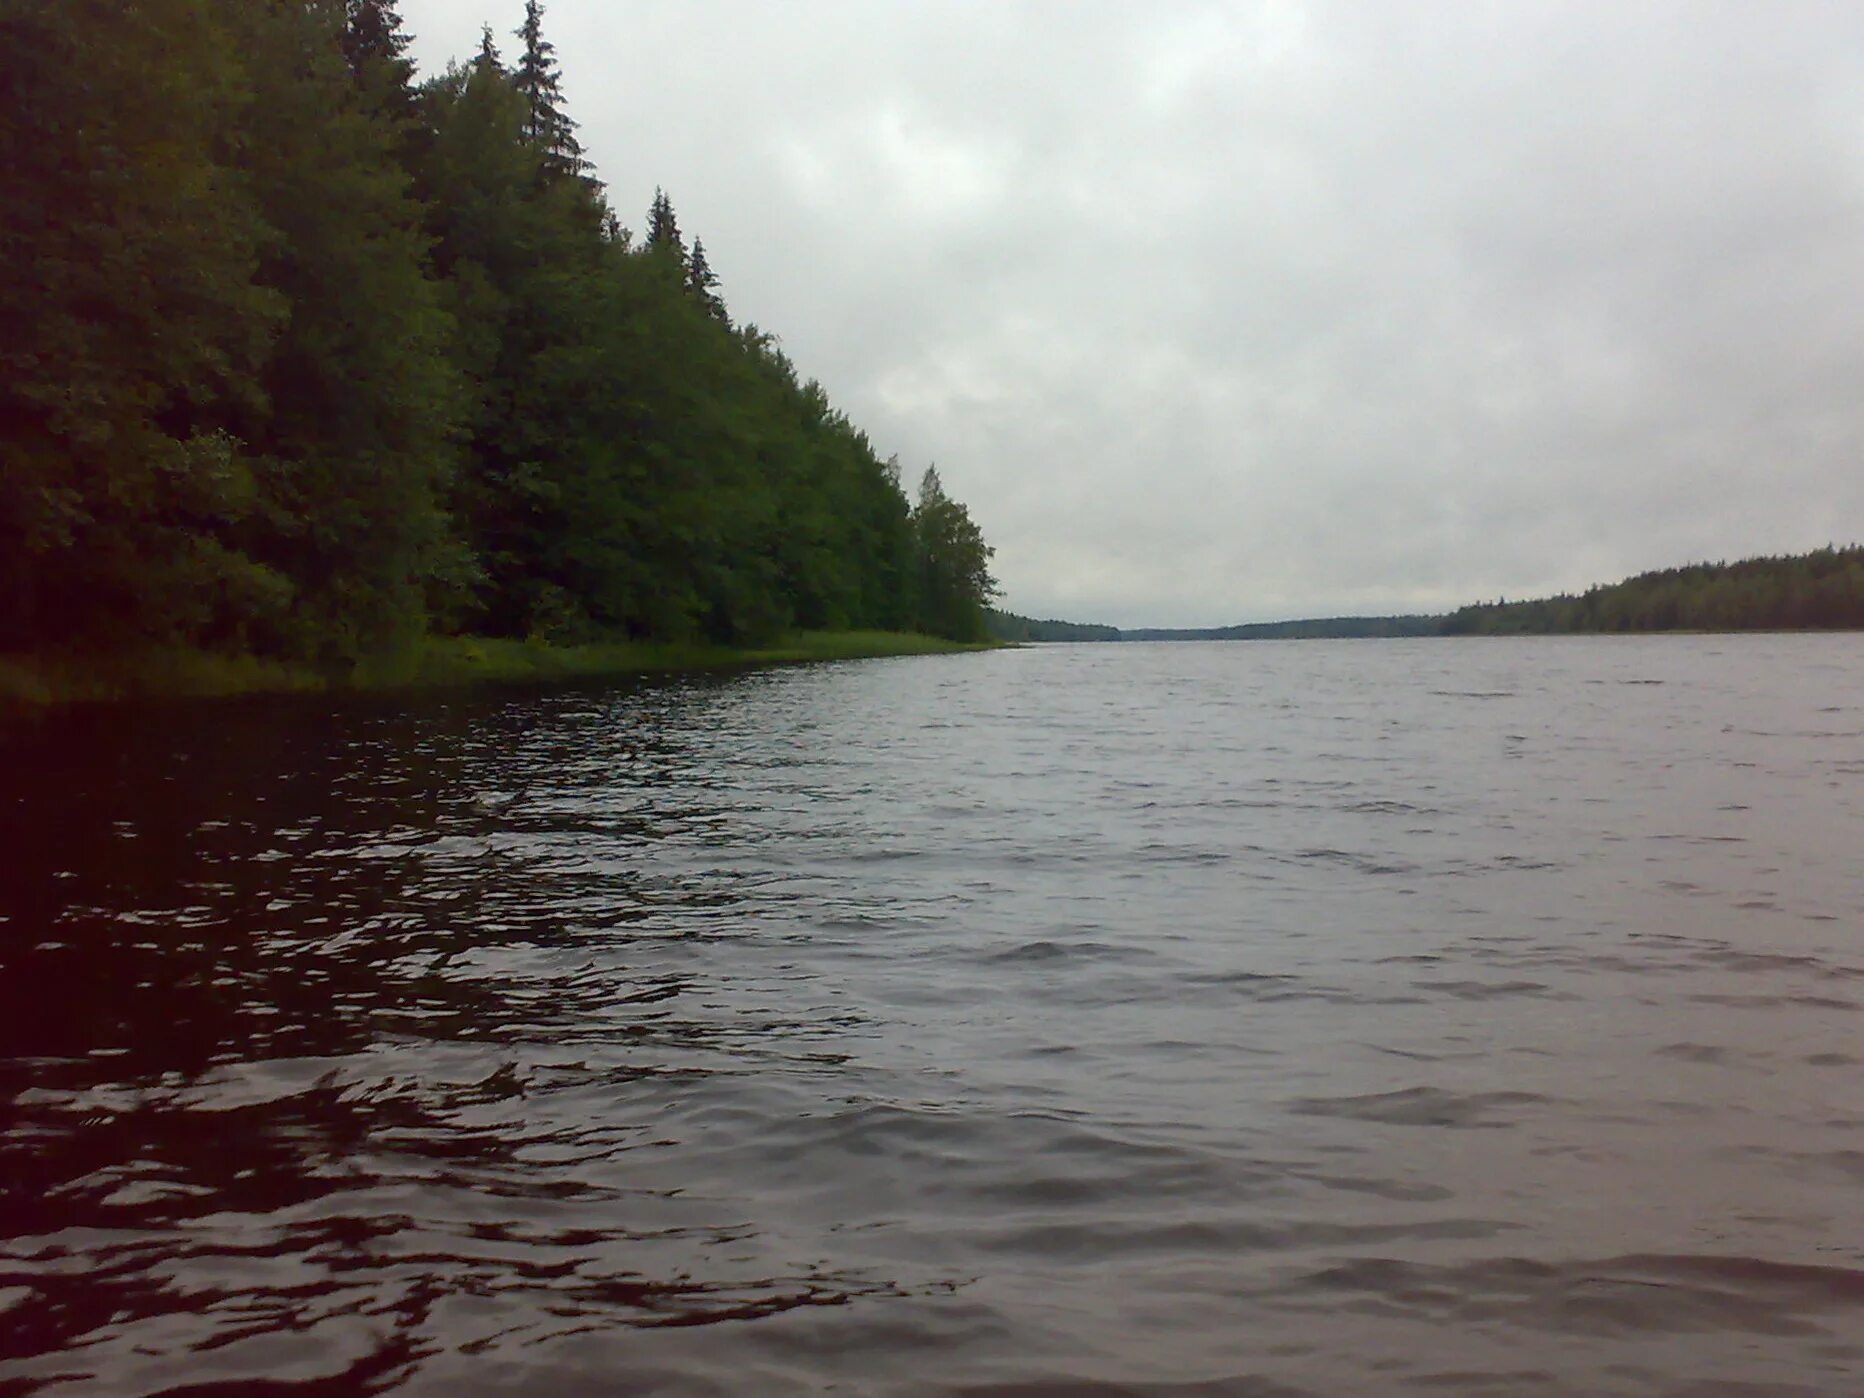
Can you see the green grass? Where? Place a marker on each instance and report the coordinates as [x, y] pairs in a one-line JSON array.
[[38, 680], [466, 660], [436, 662]]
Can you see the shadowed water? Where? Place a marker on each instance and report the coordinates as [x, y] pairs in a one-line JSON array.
[[1311, 1018]]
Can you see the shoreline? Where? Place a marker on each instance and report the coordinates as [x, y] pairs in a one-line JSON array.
[[42, 682]]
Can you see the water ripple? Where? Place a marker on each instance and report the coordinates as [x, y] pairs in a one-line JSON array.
[[1413, 1017]]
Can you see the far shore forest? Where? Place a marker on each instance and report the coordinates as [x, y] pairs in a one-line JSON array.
[[1818, 591], [305, 359]]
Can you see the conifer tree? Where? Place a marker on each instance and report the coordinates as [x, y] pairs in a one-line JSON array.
[[375, 47], [700, 281], [524, 254], [663, 229], [353, 444], [294, 360], [487, 58], [536, 78]]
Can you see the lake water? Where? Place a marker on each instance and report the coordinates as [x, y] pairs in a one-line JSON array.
[[1284, 1018]]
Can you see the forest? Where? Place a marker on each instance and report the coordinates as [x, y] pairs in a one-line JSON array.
[[1821, 590], [304, 356], [1007, 626]]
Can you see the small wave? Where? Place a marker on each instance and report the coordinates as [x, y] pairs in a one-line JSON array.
[[1695, 1053], [1358, 862], [1755, 962], [1493, 990], [1044, 949], [1421, 1106], [1072, 1383], [1427, 1056], [1388, 807], [1638, 1294], [1766, 1002], [1399, 1191]]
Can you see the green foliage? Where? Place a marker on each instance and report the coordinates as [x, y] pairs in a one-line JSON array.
[[32, 682], [519, 247], [663, 228], [701, 281], [375, 50], [546, 125], [298, 360], [128, 313], [955, 586], [1814, 591], [1007, 626], [488, 56], [353, 445], [478, 659]]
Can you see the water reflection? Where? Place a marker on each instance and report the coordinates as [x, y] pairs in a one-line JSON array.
[[311, 1014], [1023, 1020]]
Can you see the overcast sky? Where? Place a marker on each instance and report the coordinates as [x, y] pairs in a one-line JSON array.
[[1220, 312]]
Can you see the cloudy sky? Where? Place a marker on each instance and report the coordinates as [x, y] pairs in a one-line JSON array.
[[1220, 312]]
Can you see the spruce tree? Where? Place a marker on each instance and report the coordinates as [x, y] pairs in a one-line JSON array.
[[487, 59], [376, 48], [700, 279], [353, 444], [524, 255], [258, 393], [536, 78], [663, 229]]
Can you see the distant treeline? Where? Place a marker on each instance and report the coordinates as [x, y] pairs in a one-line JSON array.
[[1007, 626], [301, 357], [1320, 628], [1822, 590]]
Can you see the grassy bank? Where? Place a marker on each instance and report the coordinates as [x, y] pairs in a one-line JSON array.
[[438, 662]]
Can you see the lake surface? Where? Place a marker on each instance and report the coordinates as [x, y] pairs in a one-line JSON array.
[[1435, 1017]]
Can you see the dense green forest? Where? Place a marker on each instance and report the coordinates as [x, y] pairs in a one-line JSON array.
[[1822, 590], [1007, 626], [302, 357]]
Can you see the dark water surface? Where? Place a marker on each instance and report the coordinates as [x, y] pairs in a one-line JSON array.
[[1435, 1017]]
